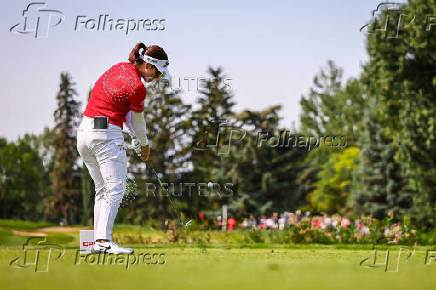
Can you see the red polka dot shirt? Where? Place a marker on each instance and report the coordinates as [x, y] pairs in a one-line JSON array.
[[118, 91]]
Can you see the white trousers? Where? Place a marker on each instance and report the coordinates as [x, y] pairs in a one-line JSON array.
[[104, 154]]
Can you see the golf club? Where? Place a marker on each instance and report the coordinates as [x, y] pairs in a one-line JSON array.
[[175, 209]]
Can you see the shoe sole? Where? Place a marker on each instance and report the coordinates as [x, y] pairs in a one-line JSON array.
[[102, 252], [97, 252]]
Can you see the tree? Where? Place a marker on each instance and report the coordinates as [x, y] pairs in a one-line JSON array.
[[400, 74], [331, 108], [382, 187], [263, 173], [66, 197], [44, 145], [21, 180], [165, 116], [214, 111], [335, 180]]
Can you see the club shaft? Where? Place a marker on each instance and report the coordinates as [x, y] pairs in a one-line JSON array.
[[168, 194]]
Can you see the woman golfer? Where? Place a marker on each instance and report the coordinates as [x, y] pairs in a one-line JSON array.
[[118, 93]]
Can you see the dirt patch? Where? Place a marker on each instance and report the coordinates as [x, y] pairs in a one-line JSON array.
[[29, 234], [63, 229]]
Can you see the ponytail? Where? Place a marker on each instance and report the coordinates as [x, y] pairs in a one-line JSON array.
[[134, 55]]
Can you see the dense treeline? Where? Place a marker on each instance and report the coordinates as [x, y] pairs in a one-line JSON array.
[[366, 145]]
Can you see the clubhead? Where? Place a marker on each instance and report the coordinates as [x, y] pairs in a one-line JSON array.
[[188, 223]]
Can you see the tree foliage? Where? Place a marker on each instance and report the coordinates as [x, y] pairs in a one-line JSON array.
[[66, 116]]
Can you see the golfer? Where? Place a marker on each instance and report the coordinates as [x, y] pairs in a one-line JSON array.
[[118, 93]]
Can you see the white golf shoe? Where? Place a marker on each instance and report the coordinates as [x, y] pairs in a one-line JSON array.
[[111, 248]]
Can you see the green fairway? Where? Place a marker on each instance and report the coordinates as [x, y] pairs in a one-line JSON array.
[[221, 268], [205, 260]]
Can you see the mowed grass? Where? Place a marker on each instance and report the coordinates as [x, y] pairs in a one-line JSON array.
[[221, 268], [226, 262], [28, 225]]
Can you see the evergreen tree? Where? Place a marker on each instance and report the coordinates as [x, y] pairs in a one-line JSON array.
[[401, 74], [215, 110], [263, 173], [210, 124], [382, 187], [65, 196], [166, 118]]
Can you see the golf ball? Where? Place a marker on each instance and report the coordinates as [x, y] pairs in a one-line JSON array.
[[210, 184]]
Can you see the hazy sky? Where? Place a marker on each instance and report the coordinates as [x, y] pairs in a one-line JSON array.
[[270, 50]]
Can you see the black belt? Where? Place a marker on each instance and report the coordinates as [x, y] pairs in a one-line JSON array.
[[101, 122]]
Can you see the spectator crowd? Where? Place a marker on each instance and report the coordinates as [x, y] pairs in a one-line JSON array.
[[329, 224]]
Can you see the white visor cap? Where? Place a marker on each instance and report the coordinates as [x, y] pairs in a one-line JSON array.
[[160, 64]]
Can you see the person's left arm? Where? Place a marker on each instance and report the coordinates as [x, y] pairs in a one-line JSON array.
[[129, 124]]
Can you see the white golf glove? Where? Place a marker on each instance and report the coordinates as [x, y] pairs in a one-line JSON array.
[[136, 146]]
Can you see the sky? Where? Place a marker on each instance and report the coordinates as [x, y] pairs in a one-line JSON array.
[[269, 52]]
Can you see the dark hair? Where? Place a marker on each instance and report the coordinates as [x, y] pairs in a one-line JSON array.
[[154, 51]]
